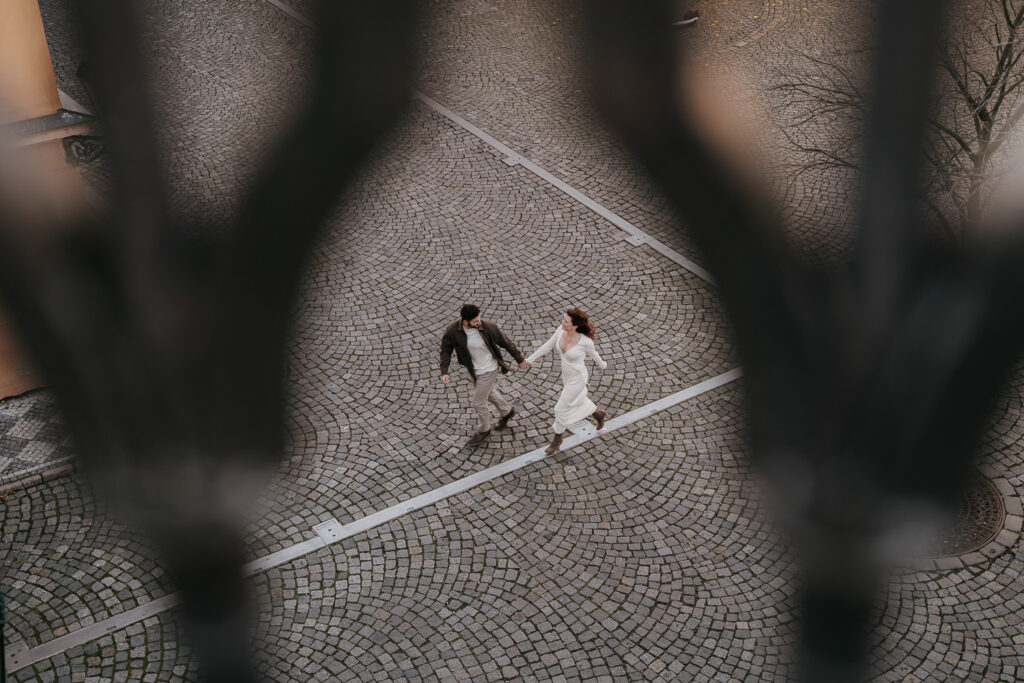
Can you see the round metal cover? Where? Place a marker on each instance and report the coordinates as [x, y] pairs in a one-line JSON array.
[[979, 517]]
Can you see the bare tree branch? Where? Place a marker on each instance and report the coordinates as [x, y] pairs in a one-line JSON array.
[[982, 81]]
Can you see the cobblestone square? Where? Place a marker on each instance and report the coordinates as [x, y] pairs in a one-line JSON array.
[[648, 553]]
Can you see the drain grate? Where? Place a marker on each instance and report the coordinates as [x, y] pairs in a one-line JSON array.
[[979, 518]]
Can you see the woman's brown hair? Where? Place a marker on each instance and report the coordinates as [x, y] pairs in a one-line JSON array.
[[581, 321]]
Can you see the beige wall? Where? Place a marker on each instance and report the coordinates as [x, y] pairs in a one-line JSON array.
[[27, 85], [17, 373], [27, 90]]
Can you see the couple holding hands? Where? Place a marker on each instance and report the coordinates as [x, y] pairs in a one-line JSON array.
[[476, 344]]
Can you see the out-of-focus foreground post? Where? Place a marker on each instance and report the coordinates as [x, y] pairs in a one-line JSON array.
[[166, 349], [868, 388]]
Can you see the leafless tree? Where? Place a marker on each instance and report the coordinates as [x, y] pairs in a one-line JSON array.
[[167, 352], [978, 104], [867, 388]]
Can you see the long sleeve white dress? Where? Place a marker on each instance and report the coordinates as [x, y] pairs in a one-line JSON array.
[[573, 404]]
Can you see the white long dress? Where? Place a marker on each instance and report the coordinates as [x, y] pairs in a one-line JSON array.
[[573, 404]]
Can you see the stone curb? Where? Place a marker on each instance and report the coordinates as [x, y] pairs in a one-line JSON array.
[[61, 470]]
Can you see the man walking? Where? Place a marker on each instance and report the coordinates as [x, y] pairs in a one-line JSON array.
[[475, 342]]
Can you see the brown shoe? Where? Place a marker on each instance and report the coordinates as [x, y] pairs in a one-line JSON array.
[[479, 437], [503, 422], [600, 416], [556, 442]]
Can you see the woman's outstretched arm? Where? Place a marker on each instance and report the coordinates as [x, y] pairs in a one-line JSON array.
[[544, 349], [592, 351]]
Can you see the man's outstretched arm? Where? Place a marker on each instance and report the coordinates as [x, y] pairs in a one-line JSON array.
[[446, 357]]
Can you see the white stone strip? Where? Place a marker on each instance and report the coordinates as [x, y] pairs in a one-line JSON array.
[[69, 103], [20, 657], [332, 531], [583, 428], [283, 556], [512, 158], [646, 411], [292, 12]]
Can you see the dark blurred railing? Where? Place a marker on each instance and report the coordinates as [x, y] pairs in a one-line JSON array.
[[166, 351], [3, 640], [866, 388]]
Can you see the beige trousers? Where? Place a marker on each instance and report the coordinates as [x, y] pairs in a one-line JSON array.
[[486, 389]]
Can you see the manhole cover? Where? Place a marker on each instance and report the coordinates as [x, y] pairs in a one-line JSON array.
[[979, 518]]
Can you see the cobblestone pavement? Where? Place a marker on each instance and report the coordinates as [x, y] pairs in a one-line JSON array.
[[645, 555], [33, 438]]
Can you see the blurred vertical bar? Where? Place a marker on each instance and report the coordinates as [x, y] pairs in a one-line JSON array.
[[3, 640], [28, 90]]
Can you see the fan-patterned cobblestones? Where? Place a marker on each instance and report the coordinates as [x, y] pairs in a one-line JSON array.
[[648, 554]]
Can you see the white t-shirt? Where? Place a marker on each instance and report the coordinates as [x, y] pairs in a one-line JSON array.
[[483, 359]]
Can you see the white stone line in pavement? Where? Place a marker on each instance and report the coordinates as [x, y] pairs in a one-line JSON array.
[[331, 531], [69, 103], [283, 556], [293, 13], [646, 411], [512, 158], [18, 656]]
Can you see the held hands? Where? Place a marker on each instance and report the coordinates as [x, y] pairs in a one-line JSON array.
[[523, 366]]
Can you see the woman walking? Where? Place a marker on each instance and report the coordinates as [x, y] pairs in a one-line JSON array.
[[574, 341]]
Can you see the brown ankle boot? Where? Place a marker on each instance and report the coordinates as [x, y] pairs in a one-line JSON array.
[[600, 416], [478, 438], [556, 441], [503, 422]]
